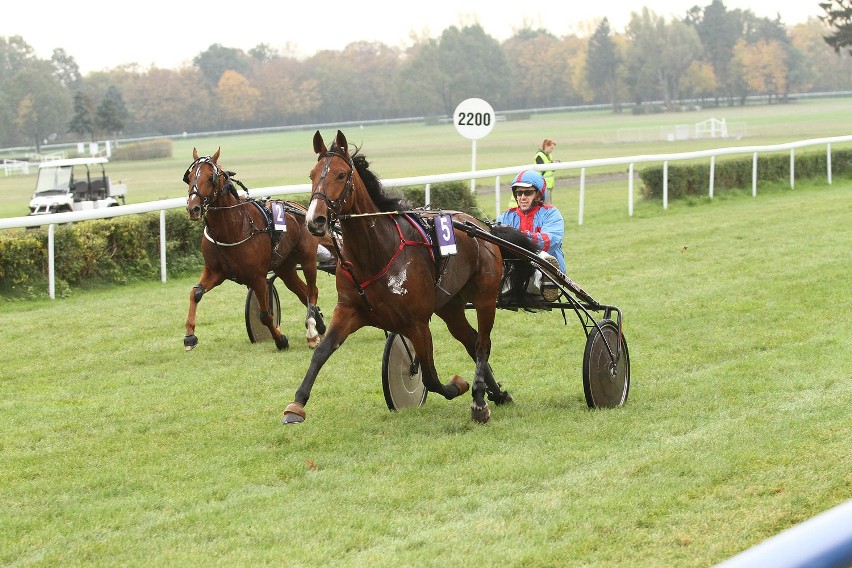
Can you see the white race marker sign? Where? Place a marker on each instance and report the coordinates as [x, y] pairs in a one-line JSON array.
[[474, 118]]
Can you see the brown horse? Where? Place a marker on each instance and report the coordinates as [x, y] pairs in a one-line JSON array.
[[388, 278], [241, 243]]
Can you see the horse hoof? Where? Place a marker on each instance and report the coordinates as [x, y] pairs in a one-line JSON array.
[[294, 413], [460, 383], [282, 343], [480, 414], [501, 398], [189, 342], [314, 342]]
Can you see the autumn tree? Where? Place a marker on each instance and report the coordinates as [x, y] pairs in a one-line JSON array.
[[168, 102], [763, 66], [237, 100], [534, 69]]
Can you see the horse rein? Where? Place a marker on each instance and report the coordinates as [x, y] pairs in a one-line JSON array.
[[334, 205]]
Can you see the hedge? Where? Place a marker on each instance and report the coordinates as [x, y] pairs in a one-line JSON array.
[[125, 249], [694, 179]]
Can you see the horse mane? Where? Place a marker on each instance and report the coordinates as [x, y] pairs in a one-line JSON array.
[[371, 181]]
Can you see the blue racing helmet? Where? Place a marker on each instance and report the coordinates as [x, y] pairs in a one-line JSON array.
[[530, 178]]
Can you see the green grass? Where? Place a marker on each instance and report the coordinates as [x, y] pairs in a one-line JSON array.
[[119, 448]]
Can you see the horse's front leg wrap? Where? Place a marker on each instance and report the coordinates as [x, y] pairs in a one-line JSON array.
[[198, 293], [479, 410]]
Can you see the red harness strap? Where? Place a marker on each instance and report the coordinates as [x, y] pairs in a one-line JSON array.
[[403, 242]]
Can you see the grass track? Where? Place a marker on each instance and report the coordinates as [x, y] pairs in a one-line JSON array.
[[120, 449]]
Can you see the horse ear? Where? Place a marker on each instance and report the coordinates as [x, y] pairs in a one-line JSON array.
[[215, 156], [319, 145], [194, 153], [341, 142]]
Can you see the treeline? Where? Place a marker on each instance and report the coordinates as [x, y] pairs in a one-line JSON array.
[[712, 54]]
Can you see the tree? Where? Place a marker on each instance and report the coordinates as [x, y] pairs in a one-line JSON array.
[[67, 71], [821, 69], [237, 99], [646, 32], [766, 65], [838, 15], [112, 112], [83, 122], [41, 106], [681, 48], [217, 59], [719, 30], [540, 73], [472, 64], [602, 62]]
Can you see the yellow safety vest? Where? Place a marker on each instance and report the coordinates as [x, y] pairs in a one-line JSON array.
[[548, 175]]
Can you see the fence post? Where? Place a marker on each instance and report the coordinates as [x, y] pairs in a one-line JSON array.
[[162, 245], [828, 161], [497, 196], [712, 174], [50, 261], [630, 192], [754, 176], [792, 168], [582, 193], [666, 184]]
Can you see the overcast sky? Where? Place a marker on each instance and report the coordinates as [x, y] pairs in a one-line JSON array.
[[102, 34]]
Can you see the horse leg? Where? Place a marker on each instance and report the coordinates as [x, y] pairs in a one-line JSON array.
[[465, 334], [421, 339], [344, 322], [314, 324], [207, 282], [260, 287], [309, 269]]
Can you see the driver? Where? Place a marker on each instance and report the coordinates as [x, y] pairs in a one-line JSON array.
[[542, 223]]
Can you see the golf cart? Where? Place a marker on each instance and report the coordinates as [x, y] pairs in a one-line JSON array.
[[75, 184]]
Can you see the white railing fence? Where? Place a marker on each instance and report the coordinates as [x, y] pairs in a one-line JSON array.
[[582, 165]]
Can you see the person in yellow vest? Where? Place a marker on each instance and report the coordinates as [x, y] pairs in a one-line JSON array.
[[543, 156]]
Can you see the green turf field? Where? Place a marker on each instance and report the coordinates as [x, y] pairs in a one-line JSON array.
[[121, 449]]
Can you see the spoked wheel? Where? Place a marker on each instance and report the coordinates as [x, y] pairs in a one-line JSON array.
[[258, 332], [605, 383], [402, 380]]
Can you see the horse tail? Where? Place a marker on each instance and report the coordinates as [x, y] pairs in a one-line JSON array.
[[519, 269]]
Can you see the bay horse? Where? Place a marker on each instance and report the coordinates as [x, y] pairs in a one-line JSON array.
[[240, 243], [388, 278]]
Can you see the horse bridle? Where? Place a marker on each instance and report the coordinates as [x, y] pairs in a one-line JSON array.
[[335, 205], [218, 187]]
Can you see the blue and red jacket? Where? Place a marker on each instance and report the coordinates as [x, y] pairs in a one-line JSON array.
[[544, 226]]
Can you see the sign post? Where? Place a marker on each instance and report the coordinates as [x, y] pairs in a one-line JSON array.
[[474, 118]]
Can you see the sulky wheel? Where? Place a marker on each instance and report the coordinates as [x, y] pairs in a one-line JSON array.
[[402, 380], [605, 383], [258, 332]]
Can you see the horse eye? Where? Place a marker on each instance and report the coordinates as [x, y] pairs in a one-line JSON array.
[[341, 175]]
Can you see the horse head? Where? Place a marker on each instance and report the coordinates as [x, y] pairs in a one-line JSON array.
[[332, 180], [206, 182]]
